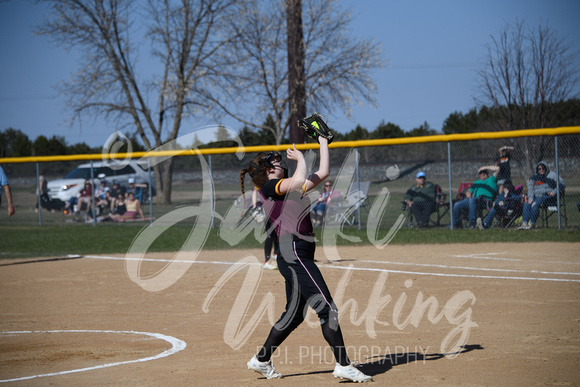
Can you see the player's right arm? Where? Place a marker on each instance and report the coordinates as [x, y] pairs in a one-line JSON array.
[[297, 180]]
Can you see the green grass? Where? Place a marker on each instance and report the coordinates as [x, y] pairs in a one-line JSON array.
[[22, 237], [445, 236], [57, 241]]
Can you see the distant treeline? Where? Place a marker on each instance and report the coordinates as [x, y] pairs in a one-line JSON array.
[[14, 143]]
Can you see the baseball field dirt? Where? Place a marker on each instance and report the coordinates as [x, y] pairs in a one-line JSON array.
[[482, 314]]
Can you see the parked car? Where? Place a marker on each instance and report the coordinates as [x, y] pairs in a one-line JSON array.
[[73, 183]]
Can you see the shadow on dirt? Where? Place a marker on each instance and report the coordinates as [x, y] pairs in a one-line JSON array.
[[42, 260], [382, 364]]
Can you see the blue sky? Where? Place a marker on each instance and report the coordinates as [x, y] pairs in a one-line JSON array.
[[433, 48]]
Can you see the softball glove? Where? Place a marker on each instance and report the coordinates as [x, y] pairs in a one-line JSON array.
[[315, 127]]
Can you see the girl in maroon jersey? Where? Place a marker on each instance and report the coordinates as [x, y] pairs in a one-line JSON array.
[[288, 209]]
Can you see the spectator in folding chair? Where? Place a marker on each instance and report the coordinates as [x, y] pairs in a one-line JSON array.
[[324, 200], [101, 202], [117, 189], [542, 191], [482, 192], [507, 200], [421, 199], [136, 188], [82, 200]]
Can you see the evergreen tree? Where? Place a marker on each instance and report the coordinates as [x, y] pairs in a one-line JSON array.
[[388, 130], [14, 143], [423, 130], [457, 122]]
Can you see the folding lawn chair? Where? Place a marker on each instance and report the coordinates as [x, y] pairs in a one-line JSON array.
[[514, 208], [483, 202], [546, 212], [346, 210], [441, 209]]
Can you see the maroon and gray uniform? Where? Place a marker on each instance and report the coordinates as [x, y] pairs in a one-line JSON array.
[[305, 286], [289, 213]]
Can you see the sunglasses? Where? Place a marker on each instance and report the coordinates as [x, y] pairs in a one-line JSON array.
[[541, 169], [328, 185], [273, 157]]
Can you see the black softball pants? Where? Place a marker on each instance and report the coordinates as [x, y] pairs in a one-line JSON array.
[[305, 287]]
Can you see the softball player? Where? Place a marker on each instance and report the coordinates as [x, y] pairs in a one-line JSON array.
[[289, 211], [271, 236]]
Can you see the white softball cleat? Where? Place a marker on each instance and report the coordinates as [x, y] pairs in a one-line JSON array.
[[269, 266], [351, 373], [266, 369]]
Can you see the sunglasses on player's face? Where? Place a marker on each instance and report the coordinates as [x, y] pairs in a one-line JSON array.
[[273, 157]]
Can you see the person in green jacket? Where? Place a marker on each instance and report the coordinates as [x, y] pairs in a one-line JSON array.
[[421, 199], [481, 192]]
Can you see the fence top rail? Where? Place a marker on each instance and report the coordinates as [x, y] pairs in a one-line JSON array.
[[339, 144]]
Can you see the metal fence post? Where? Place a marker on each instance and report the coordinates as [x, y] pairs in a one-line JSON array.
[[450, 185], [211, 203], [558, 183], [38, 193], [150, 191], [93, 212], [357, 158]]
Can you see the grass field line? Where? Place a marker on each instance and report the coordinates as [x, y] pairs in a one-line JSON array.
[[353, 268], [473, 268], [453, 275], [486, 256]]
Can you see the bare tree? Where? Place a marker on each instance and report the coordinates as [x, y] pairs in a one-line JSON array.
[[188, 37], [528, 72], [336, 67], [296, 70]]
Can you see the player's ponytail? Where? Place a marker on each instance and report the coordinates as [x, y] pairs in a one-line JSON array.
[[242, 176], [257, 172]]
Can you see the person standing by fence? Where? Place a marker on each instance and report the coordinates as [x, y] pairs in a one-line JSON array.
[[8, 193], [42, 191], [503, 162]]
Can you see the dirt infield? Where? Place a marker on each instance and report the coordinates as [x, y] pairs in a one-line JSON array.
[[485, 314]]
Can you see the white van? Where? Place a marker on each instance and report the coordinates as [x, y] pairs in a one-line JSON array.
[[74, 182]]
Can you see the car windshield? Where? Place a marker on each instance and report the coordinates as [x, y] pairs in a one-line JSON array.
[[85, 172], [79, 173]]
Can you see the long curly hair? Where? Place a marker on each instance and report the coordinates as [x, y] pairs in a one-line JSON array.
[[257, 169]]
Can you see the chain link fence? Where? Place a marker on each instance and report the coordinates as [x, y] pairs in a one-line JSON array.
[[451, 164], [390, 169]]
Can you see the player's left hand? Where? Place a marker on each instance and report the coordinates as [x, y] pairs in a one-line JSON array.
[[294, 154]]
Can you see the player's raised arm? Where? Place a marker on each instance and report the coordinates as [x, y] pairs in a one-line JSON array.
[[297, 180], [315, 127], [323, 167]]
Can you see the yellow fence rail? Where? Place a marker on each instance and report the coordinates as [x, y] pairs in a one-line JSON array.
[[567, 130]]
